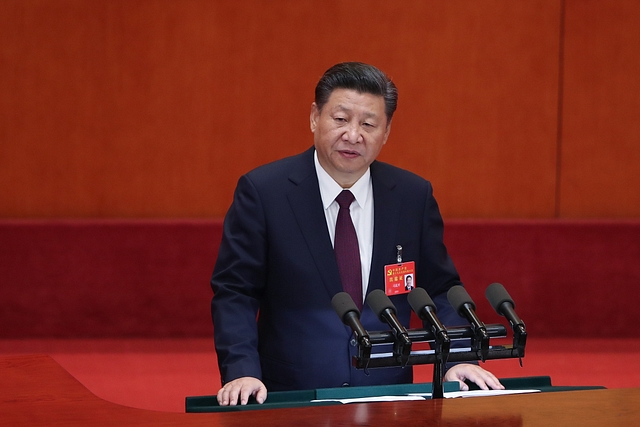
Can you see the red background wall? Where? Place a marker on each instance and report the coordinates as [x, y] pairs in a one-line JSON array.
[[132, 108]]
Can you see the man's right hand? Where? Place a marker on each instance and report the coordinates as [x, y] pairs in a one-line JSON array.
[[239, 390]]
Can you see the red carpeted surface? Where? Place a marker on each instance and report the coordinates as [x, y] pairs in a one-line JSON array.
[[158, 374], [144, 373]]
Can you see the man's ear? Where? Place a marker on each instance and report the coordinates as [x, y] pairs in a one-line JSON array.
[[386, 133], [313, 117]]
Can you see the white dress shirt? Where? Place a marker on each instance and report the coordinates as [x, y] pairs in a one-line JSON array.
[[361, 214]]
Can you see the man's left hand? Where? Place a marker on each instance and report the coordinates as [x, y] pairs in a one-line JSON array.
[[474, 373]]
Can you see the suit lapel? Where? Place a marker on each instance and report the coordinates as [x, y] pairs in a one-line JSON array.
[[306, 203], [386, 214]]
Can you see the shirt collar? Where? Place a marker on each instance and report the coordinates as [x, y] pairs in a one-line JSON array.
[[329, 188]]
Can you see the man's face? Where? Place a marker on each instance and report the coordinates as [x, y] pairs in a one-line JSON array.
[[349, 133]]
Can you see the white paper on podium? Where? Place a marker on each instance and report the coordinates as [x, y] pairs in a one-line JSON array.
[[374, 399], [423, 396], [481, 393]]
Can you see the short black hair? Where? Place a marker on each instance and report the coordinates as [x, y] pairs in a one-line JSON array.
[[361, 77]]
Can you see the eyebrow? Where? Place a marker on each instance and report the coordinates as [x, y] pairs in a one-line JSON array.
[[343, 108]]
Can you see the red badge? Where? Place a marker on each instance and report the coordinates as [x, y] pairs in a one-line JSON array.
[[399, 278]]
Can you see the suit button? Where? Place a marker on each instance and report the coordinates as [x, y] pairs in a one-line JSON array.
[[353, 342], [345, 385]]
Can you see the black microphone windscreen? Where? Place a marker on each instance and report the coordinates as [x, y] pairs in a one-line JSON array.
[[497, 294], [379, 301], [343, 303], [458, 297], [419, 298]]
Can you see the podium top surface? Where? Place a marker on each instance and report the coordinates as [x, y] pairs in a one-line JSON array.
[[329, 396]]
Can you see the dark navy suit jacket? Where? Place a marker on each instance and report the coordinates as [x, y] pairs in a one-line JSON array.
[[276, 273]]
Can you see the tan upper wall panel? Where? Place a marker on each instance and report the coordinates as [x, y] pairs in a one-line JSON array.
[[480, 107], [154, 109], [601, 116]]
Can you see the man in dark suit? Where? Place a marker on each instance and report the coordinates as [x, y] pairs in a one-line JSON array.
[[276, 272]]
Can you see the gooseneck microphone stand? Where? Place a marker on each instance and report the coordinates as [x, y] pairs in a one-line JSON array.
[[440, 341]]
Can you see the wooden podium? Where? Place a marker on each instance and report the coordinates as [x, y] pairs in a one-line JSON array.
[[36, 391]]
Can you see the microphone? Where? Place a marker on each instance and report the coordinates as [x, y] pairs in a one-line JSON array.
[[425, 308], [350, 315], [386, 312], [502, 303], [464, 305]]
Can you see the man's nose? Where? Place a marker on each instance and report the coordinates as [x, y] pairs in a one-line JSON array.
[[352, 134]]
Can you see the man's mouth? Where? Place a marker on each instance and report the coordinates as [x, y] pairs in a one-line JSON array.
[[349, 153]]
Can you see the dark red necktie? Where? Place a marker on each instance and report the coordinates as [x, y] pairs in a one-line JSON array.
[[346, 248]]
